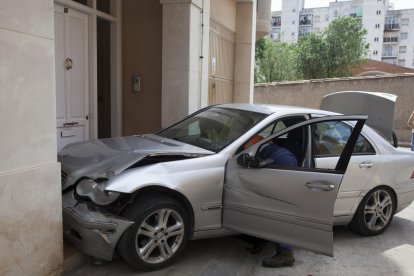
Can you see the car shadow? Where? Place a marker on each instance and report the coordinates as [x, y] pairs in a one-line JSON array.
[[385, 254]]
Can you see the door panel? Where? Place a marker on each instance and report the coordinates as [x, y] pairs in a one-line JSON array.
[[77, 51], [279, 201], [59, 66], [292, 205], [71, 48]]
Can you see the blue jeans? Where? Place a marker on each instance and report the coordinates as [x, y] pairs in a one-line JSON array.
[[281, 247], [412, 141]]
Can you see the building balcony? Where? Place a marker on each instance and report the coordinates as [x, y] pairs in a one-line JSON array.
[[391, 27], [389, 40], [390, 55], [263, 19]]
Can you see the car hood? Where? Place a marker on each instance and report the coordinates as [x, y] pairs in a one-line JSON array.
[[104, 158], [378, 106]]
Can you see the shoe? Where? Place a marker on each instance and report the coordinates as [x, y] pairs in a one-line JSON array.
[[279, 260], [257, 246]]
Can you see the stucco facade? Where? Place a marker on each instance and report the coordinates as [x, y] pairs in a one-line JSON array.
[[30, 205]]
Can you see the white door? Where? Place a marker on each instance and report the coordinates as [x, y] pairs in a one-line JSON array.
[[71, 47]]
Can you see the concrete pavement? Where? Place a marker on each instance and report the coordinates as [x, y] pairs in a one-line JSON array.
[[391, 253]]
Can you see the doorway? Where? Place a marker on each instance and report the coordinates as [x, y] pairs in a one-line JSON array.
[[88, 70], [72, 76]]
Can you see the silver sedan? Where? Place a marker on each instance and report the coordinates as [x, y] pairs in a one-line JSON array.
[[143, 197]]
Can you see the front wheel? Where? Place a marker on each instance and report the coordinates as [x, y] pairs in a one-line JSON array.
[[375, 212], [159, 234]]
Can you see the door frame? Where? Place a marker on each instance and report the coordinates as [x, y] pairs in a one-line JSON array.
[[116, 62]]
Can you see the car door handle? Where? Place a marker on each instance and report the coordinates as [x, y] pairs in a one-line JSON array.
[[319, 186], [365, 165]]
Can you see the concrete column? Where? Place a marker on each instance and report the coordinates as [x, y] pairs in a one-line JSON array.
[[185, 29], [245, 46], [31, 241]]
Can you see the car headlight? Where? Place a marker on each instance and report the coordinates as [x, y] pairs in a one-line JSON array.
[[96, 192]]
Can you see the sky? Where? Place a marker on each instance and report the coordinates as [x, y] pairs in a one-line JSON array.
[[398, 4]]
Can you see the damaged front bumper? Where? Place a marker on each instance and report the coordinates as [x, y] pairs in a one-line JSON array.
[[93, 232]]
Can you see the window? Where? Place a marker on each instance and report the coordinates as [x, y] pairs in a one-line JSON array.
[[403, 36], [317, 18], [293, 22], [305, 19], [294, 10], [405, 22], [276, 21], [401, 62], [376, 39], [388, 51], [336, 13], [213, 129], [377, 26], [331, 137], [272, 129], [375, 52], [305, 30], [378, 12], [403, 49], [293, 33], [280, 124], [390, 39]]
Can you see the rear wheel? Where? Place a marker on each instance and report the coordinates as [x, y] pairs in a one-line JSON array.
[[375, 212], [159, 234]]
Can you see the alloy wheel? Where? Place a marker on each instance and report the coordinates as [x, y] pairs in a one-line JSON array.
[[159, 236], [378, 210]]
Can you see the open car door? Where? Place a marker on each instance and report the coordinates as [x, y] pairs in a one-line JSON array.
[[292, 205]]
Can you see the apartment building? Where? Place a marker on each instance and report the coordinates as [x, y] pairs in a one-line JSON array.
[[390, 33]]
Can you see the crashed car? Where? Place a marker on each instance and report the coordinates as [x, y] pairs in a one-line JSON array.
[[143, 197]]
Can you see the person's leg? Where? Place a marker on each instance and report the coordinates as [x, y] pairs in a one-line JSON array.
[[283, 257], [281, 247], [412, 140]]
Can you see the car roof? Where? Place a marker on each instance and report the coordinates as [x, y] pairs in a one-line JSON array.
[[279, 109]]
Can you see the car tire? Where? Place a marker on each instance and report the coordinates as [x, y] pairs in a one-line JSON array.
[[375, 212], [159, 234]]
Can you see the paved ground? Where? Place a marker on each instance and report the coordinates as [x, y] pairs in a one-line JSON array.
[[391, 253]]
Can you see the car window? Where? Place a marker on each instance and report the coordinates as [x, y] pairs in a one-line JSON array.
[[331, 137], [213, 129], [272, 128], [286, 150]]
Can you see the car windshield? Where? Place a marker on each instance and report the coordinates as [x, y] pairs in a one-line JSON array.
[[213, 129]]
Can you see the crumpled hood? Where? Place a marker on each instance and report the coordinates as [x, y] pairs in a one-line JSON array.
[[104, 158]]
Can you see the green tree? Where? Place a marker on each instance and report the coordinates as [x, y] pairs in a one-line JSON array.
[[335, 52], [275, 61], [312, 57]]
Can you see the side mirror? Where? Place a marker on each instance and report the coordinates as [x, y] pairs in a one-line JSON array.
[[248, 161]]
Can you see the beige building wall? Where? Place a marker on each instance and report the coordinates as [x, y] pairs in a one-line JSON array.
[[310, 93], [141, 55], [222, 51], [30, 203]]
